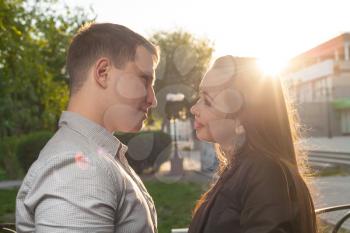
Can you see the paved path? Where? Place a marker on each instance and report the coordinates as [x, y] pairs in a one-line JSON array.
[[335, 144], [331, 191], [10, 184]]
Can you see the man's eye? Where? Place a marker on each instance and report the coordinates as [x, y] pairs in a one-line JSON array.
[[144, 79]]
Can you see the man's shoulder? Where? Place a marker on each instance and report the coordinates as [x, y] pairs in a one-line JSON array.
[[70, 165], [68, 151], [62, 149], [64, 142]]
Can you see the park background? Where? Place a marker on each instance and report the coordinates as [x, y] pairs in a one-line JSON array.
[[305, 43]]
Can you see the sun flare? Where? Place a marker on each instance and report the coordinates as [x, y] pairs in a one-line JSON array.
[[272, 66]]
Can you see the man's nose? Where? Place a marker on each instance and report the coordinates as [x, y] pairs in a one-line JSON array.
[[151, 98]]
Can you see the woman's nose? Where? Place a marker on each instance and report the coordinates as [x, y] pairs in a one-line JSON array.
[[193, 109]]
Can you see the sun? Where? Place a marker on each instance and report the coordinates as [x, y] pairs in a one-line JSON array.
[[272, 66]]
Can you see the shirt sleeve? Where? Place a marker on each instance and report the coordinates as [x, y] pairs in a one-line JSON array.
[[266, 200], [71, 193]]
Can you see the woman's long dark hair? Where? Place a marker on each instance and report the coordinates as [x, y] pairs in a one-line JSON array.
[[272, 129]]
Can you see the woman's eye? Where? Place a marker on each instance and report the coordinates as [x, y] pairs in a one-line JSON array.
[[202, 99], [207, 102]]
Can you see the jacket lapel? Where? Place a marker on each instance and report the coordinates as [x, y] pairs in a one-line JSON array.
[[202, 215], [206, 211]]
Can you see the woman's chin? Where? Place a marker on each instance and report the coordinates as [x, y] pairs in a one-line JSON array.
[[202, 136]]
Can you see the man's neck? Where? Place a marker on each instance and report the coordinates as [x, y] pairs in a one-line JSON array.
[[86, 110]]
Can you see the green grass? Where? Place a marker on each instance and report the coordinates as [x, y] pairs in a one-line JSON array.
[[7, 205], [174, 203]]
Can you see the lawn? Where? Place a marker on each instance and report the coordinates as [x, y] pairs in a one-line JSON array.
[[7, 205], [174, 203]]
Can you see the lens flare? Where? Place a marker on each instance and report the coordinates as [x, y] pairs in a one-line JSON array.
[[272, 66]]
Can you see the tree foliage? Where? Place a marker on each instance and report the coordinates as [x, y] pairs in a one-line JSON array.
[[184, 60], [34, 36]]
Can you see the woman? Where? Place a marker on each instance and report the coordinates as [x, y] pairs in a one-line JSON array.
[[260, 188]]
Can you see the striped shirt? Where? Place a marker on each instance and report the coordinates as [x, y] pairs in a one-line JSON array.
[[82, 182]]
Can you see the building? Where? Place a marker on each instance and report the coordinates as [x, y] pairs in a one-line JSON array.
[[319, 82]]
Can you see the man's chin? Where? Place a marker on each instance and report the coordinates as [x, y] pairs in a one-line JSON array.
[[134, 129]]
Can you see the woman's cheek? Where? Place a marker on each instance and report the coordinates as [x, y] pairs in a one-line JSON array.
[[220, 129], [228, 101]]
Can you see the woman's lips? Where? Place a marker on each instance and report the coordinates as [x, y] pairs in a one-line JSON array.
[[197, 125]]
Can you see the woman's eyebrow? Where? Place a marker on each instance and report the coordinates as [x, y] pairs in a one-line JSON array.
[[206, 94]]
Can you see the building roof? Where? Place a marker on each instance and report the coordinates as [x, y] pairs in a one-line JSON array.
[[326, 48], [319, 53]]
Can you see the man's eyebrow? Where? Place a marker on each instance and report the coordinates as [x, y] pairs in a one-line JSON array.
[[149, 76]]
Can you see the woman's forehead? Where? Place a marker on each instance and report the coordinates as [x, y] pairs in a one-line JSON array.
[[216, 79]]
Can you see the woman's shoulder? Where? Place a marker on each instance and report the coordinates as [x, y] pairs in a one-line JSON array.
[[260, 163], [255, 168]]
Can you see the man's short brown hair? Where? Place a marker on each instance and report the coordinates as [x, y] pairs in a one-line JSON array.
[[95, 40]]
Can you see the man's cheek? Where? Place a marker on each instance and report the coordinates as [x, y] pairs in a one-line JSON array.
[[131, 87], [122, 117]]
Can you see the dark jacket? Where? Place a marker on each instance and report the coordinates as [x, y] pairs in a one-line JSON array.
[[256, 196]]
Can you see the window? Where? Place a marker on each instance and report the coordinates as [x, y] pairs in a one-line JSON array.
[[347, 52], [345, 121]]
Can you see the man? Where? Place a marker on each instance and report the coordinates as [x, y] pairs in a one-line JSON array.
[[81, 181]]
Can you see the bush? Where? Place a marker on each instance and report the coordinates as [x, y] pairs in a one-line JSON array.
[[9, 164], [2, 174], [147, 150], [30, 146]]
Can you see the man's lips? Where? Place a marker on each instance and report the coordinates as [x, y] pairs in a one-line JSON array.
[[145, 112], [197, 125]]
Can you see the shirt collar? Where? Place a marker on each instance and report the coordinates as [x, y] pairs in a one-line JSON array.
[[93, 131]]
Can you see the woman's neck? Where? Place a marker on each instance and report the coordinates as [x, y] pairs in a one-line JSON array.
[[230, 147]]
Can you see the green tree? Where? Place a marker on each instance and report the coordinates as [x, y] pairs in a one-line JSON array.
[[33, 82], [183, 62]]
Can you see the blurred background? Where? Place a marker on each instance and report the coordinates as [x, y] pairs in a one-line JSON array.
[[305, 43]]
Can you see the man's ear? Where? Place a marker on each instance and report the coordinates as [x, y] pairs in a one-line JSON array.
[[102, 68]]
